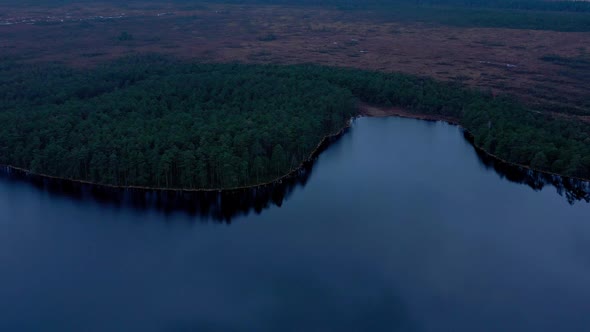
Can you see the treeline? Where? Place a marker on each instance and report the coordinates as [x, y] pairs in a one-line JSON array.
[[535, 15], [537, 5], [500, 125], [514, 14], [148, 121], [540, 5], [523, 5]]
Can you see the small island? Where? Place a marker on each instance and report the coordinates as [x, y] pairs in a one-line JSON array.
[[156, 122]]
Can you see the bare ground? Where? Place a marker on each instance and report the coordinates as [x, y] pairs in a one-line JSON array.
[[375, 111]]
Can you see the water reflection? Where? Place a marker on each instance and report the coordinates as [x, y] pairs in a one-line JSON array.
[[223, 206], [572, 189], [213, 205]]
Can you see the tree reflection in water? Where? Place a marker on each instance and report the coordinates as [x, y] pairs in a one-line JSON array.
[[223, 206]]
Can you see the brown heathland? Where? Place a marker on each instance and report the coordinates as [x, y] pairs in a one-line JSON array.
[[501, 60]]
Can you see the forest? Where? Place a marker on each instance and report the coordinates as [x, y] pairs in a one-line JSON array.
[[536, 14], [149, 122], [159, 122], [513, 14], [541, 5]]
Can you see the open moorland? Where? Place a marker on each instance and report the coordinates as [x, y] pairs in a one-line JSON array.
[[547, 69]]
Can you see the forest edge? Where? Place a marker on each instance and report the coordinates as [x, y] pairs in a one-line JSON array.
[[363, 110]]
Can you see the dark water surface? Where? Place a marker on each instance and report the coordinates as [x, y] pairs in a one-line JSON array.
[[400, 228]]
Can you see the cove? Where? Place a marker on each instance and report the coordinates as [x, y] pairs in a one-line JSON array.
[[400, 226]]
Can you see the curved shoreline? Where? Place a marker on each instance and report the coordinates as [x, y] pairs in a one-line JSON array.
[[373, 111], [364, 110], [322, 145]]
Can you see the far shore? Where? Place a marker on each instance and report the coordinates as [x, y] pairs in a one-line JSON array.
[[376, 111]]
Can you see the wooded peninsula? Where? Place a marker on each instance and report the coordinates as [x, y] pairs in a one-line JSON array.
[[152, 121]]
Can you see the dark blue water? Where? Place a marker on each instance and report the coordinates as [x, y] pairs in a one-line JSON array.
[[400, 228]]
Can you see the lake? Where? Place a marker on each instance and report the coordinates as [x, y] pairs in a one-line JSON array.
[[399, 227]]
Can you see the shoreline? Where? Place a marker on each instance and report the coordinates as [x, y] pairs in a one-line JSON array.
[[367, 110], [364, 110], [324, 142]]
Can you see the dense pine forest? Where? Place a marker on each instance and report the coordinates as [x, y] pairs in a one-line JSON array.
[[151, 121]]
